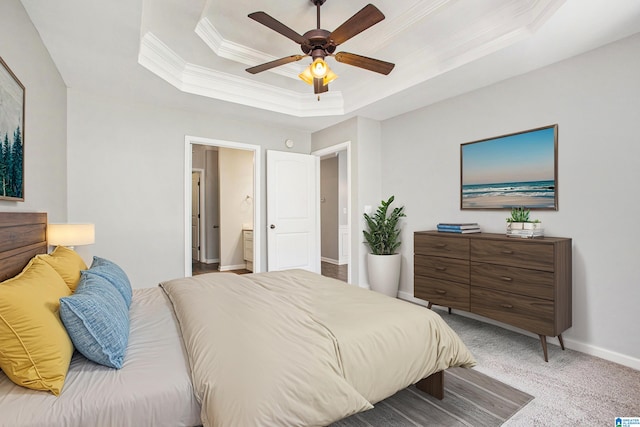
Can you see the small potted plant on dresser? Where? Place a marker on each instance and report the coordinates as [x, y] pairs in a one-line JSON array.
[[383, 238], [519, 224]]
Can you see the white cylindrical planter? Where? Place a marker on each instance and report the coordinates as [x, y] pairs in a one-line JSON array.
[[384, 273]]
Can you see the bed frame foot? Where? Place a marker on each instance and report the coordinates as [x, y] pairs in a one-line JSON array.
[[433, 385]]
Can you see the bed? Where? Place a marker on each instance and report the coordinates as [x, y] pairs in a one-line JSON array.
[[280, 348]]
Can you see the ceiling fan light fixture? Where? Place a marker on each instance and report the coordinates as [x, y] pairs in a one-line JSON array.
[[319, 68], [319, 43], [329, 77], [307, 75]]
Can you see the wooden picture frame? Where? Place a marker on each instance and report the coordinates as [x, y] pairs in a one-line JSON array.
[[12, 109], [514, 170]]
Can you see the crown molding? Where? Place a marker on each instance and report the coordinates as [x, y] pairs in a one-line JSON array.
[[427, 63], [240, 53], [489, 33], [389, 29], [542, 10], [158, 58]]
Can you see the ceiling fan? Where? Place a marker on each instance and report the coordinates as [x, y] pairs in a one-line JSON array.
[[319, 43]]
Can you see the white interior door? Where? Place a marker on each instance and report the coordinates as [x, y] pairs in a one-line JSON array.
[[195, 215], [293, 211]]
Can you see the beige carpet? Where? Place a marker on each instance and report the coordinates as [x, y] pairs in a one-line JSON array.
[[471, 399], [571, 389]]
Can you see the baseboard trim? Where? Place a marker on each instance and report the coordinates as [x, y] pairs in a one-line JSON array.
[[580, 346], [334, 261], [232, 267], [210, 261]]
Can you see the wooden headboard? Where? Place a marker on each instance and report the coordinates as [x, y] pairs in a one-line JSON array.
[[22, 236]]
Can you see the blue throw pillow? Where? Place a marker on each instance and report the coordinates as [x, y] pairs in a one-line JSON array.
[[114, 274], [96, 318]]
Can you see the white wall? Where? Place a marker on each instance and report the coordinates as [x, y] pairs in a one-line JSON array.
[[595, 99], [343, 183], [212, 187], [45, 156], [329, 194], [365, 137], [126, 174], [236, 209]]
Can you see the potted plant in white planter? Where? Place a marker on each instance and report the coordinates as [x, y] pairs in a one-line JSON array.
[[383, 238]]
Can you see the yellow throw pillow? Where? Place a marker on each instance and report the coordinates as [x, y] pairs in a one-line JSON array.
[[67, 263], [35, 349]]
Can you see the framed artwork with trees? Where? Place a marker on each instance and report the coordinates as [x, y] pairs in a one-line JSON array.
[[12, 97]]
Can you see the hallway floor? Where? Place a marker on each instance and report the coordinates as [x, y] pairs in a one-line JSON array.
[[339, 272], [202, 268]]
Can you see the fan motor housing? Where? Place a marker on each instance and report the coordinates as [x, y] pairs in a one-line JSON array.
[[317, 39]]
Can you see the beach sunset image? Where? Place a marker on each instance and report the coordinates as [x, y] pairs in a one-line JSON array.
[[512, 170]]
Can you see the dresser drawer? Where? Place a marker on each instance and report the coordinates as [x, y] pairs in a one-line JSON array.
[[453, 269], [531, 314], [523, 281], [442, 292], [450, 247], [535, 256]]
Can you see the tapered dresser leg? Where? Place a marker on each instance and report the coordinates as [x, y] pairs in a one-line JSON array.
[[543, 341], [561, 342], [429, 306], [449, 310]]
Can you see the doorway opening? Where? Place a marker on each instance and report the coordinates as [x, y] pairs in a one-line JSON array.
[[335, 210], [229, 205], [198, 214]]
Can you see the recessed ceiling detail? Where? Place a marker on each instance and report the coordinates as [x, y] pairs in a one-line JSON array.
[[190, 78], [423, 38], [239, 53]]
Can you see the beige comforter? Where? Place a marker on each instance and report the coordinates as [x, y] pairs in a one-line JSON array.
[[295, 348]]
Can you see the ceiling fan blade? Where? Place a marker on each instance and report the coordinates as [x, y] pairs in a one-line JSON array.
[[319, 86], [370, 64], [277, 26], [272, 64], [367, 17]]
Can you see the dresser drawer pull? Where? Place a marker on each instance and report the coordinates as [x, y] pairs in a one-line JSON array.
[[440, 292], [506, 279], [507, 252], [441, 268], [441, 245], [506, 306]]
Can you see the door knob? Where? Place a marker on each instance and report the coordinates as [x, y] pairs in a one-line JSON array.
[[272, 226]]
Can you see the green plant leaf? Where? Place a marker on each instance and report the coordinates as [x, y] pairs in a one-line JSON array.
[[383, 234]]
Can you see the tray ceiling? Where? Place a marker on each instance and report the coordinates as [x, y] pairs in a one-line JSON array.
[[203, 48], [192, 55]]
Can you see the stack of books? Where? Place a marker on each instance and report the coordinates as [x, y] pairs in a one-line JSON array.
[[459, 227]]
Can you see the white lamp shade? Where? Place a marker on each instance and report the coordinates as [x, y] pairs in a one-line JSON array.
[[71, 234]]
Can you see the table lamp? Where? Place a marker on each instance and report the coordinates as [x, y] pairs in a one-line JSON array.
[[71, 235]]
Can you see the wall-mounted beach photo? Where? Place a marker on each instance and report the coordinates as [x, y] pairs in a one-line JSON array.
[[507, 171]]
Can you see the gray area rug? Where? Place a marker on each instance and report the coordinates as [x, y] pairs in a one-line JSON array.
[[471, 399]]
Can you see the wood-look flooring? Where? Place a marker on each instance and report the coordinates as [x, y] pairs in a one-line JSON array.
[[339, 272], [202, 268]]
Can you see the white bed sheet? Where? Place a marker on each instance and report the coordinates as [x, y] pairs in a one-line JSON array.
[[153, 388]]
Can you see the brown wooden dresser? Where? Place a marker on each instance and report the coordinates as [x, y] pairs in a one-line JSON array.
[[521, 282]]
